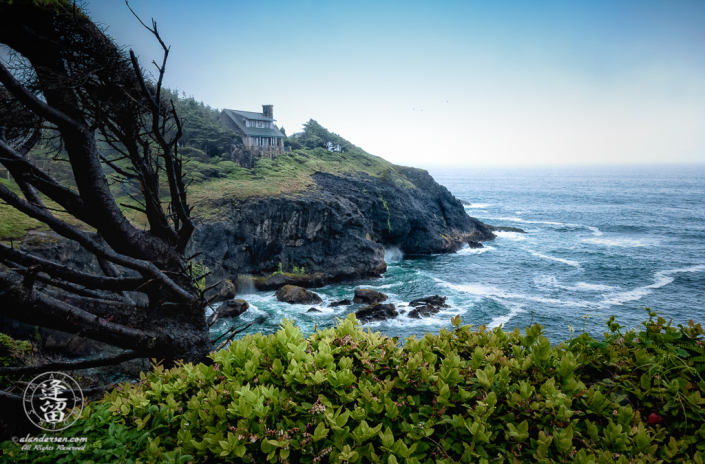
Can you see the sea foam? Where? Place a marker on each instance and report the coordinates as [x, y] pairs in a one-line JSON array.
[[474, 251], [560, 260], [621, 241], [661, 279], [516, 236]]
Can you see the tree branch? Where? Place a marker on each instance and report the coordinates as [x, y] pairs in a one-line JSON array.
[[71, 366], [117, 168], [35, 308], [31, 101], [99, 250], [12, 255], [24, 170]]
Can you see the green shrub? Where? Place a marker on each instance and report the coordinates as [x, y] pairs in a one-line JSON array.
[[12, 353], [298, 270], [11, 350], [464, 395]]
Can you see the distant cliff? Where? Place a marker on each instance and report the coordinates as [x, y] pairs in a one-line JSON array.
[[339, 229]]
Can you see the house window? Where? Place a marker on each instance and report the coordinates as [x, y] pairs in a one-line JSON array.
[[260, 124]]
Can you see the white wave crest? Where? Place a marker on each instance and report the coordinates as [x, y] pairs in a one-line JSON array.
[[516, 219], [661, 279], [551, 281], [496, 321], [516, 236], [595, 230], [381, 287], [474, 251], [477, 205], [494, 292], [393, 254], [560, 260], [621, 242]]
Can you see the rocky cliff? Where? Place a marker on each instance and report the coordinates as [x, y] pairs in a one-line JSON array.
[[339, 229]]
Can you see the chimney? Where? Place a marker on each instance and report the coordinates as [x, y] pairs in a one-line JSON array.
[[268, 111]]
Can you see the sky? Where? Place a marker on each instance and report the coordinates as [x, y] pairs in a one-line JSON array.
[[447, 83]]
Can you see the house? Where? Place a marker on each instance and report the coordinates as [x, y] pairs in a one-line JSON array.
[[258, 132], [331, 147]]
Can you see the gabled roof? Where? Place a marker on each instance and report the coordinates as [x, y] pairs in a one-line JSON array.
[[238, 119], [251, 115]]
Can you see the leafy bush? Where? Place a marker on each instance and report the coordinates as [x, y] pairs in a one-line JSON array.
[[12, 353], [465, 395]]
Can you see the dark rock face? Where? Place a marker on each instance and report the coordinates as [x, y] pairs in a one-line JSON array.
[[425, 307], [338, 230], [368, 296], [473, 244], [232, 308], [376, 312], [296, 295], [344, 302]]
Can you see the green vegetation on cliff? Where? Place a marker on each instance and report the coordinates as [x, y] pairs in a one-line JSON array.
[[344, 395], [288, 174], [214, 181]]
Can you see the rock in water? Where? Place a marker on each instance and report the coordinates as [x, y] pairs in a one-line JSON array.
[[232, 308], [505, 229], [424, 311], [376, 312], [297, 295], [227, 292], [434, 300], [313, 310], [474, 244], [425, 307], [368, 296], [344, 302]]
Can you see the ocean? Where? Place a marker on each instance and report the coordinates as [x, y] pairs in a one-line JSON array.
[[600, 241]]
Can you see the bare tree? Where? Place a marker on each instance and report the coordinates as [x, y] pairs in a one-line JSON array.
[[70, 81]]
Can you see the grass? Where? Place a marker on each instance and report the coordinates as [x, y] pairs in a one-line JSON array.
[[14, 224], [289, 174]]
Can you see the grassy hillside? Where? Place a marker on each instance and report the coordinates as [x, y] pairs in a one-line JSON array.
[[15, 225], [288, 174]]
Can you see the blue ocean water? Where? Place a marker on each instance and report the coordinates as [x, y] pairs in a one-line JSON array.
[[600, 241]]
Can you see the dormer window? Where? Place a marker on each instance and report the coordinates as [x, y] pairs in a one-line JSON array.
[[260, 124]]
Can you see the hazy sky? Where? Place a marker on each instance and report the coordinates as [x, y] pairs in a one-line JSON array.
[[455, 82]]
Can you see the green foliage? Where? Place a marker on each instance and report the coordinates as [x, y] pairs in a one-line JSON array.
[[198, 273], [202, 126], [316, 136], [298, 270], [12, 353], [465, 395], [279, 270], [11, 350], [389, 215]]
